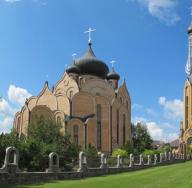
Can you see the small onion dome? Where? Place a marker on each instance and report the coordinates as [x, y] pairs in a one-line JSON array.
[[190, 29], [89, 64], [113, 75], [73, 69]]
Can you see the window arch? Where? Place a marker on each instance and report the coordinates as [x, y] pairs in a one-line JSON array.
[[18, 124], [99, 127], [117, 131], [75, 134], [124, 135], [58, 120], [70, 94]]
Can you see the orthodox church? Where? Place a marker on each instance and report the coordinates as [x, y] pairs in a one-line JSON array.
[[186, 125], [87, 101]]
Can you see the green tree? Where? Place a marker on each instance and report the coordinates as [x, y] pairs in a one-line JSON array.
[[128, 147], [141, 138]]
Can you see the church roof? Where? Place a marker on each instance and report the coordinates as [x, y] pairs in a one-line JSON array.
[[89, 64], [73, 69], [113, 75]]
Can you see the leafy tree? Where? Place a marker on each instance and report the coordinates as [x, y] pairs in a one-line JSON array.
[[43, 138], [141, 138], [128, 147]]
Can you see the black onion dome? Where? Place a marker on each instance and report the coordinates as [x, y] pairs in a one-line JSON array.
[[113, 75], [190, 29], [89, 64], [73, 69]]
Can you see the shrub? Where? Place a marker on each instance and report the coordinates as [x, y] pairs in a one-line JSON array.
[[121, 152]]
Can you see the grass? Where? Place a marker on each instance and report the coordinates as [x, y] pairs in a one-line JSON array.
[[173, 176]]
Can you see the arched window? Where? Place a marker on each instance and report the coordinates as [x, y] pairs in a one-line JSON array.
[[121, 100], [186, 109], [127, 105], [124, 135], [70, 94], [42, 119], [99, 141], [117, 131], [18, 124], [75, 134], [59, 120]]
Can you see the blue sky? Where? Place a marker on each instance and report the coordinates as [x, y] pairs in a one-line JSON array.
[[147, 39]]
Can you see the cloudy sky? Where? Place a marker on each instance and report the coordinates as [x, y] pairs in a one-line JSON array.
[[146, 38]]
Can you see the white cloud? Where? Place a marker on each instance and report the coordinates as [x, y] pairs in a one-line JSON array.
[[173, 109], [41, 2], [164, 10], [18, 95], [5, 109], [12, 1], [6, 124], [158, 131]]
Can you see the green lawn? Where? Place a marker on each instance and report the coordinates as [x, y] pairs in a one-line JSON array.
[[173, 176]]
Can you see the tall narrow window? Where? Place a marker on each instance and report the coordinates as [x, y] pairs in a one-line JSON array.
[[124, 121], [75, 134], [117, 126], [59, 120], [18, 124], [99, 142], [186, 111]]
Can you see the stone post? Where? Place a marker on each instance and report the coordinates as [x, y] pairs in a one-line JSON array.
[[141, 160], [119, 161], [11, 167], [82, 162], [148, 160], [160, 157], [165, 154], [155, 159], [131, 158], [103, 161], [53, 163], [169, 156], [173, 155]]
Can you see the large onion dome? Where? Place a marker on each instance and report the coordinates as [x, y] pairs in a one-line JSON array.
[[190, 29], [89, 64], [112, 75], [73, 69]]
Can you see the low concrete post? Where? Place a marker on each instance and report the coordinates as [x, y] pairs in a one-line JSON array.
[[165, 154], [103, 161], [155, 159], [188, 157], [11, 167], [148, 159], [53, 163], [119, 161], [173, 155], [131, 158], [169, 156], [82, 162], [160, 157], [141, 160]]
